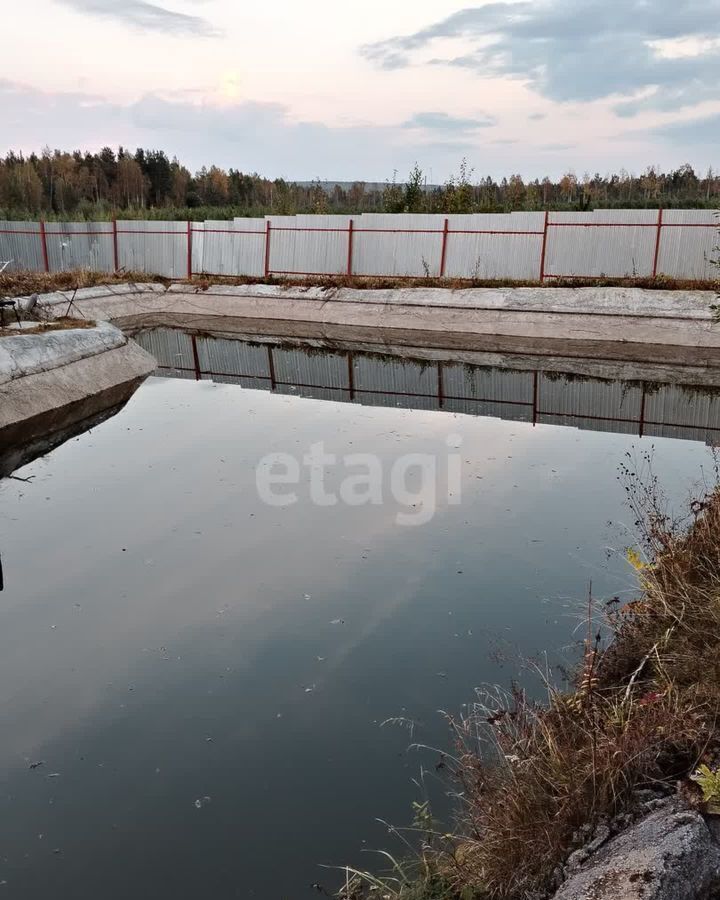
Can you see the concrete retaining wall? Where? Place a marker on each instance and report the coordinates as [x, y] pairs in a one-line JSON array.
[[51, 383]]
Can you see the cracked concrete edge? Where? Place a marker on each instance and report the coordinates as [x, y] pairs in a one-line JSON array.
[[42, 411], [41, 397], [95, 292], [610, 301], [22, 355]]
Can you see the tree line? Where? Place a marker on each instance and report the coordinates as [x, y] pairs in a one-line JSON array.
[[148, 184]]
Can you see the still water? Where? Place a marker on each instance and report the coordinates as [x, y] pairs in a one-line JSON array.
[[204, 677]]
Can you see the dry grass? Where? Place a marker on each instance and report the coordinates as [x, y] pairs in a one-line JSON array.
[[61, 324], [17, 284], [644, 713], [386, 283], [20, 284]]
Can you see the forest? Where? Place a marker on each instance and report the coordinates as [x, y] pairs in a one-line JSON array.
[[147, 184]]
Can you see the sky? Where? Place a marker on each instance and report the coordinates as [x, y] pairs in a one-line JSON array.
[[346, 91]]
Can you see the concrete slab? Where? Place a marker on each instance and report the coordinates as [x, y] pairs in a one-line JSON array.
[[693, 340], [38, 411], [27, 354], [613, 301]]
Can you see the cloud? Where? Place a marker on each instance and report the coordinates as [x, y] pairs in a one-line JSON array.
[[582, 50], [556, 148], [537, 117], [441, 121], [250, 136], [145, 16], [694, 131], [266, 137]]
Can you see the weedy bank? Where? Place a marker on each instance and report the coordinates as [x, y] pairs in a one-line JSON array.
[[642, 717], [22, 283]]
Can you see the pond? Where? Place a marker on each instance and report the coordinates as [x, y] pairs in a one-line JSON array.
[[197, 666]]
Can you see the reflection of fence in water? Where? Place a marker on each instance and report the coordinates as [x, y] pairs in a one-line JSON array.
[[534, 396]]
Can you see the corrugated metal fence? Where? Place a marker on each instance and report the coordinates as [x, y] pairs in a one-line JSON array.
[[522, 246]]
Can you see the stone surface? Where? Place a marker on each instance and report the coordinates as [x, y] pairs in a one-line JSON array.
[[40, 410], [53, 382], [672, 854], [621, 301], [28, 354], [660, 327]]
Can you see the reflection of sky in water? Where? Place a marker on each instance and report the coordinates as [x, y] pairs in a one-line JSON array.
[[160, 626]]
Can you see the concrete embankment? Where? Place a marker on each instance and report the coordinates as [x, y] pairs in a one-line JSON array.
[[54, 384], [668, 327]]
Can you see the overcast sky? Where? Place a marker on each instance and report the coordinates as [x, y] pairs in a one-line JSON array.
[[319, 88]]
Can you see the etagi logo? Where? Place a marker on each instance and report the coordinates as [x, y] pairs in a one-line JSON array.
[[415, 481]]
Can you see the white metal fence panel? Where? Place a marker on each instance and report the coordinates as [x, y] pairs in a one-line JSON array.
[[21, 246], [612, 243], [80, 245], [689, 244], [402, 245], [495, 245], [229, 248], [160, 248], [308, 245], [615, 243]]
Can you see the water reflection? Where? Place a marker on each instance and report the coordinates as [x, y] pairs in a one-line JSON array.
[[597, 396], [160, 626]]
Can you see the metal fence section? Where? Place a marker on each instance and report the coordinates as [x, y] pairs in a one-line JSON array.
[[158, 248], [229, 248], [527, 246], [687, 245], [80, 245], [21, 244], [612, 243]]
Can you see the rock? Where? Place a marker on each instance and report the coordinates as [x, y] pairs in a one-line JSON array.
[[669, 855]]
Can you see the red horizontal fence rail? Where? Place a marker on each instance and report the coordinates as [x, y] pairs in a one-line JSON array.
[[352, 229]]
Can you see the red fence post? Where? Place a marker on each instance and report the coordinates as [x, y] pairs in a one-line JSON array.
[[443, 252], [189, 250], [116, 260], [544, 245], [267, 247], [350, 247], [43, 238], [657, 242]]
